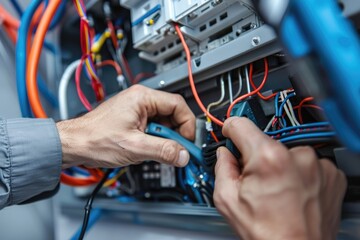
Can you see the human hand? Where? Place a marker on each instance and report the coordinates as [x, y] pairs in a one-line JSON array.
[[276, 193], [112, 135]]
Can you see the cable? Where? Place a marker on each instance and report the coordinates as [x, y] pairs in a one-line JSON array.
[[90, 202], [254, 91], [191, 79], [21, 57], [247, 80], [80, 93], [222, 96], [284, 102], [110, 63], [17, 7], [34, 57], [306, 136], [259, 93], [308, 99], [230, 88], [64, 83], [94, 217], [309, 125], [111, 181]]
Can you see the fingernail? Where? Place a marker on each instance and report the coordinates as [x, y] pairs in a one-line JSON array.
[[183, 158]]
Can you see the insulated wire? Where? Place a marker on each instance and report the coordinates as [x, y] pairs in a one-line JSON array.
[[247, 80], [34, 56], [241, 98], [64, 83], [283, 97], [191, 79], [230, 88], [222, 96]]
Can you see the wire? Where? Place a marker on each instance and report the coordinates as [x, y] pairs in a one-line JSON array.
[[254, 91], [34, 57], [214, 136], [284, 102], [247, 80], [17, 7], [191, 79], [259, 94], [110, 63], [303, 126], [306, 136], [90, 202], [94, 217], [308, 99], [230, 88], [21, 57], [80, 93], [64, 83], [222, 96], [115, 178]]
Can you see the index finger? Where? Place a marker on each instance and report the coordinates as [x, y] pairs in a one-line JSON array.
[[175, 107], [246, 136]]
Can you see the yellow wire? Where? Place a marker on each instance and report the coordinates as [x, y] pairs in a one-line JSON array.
[[115, 178], [79, 9]]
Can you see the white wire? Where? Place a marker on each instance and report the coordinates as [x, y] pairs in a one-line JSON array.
[[237, 94], [247, 79], [64, 82], [291, 109], [269, 124], [222, 86], [283, 96], [230, 88]]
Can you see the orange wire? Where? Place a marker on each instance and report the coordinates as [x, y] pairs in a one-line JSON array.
[[34, 57], [78, 182], [110, 63], [308, 99], [259, 93], [214, 136], [191, 79], [239, 99]]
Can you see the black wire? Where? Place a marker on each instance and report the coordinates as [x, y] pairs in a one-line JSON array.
[[90, 201]]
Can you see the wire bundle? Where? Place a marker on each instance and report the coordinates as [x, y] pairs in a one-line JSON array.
[[87, 59]]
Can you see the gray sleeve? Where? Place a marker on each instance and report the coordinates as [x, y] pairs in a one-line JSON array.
[[30, 159]]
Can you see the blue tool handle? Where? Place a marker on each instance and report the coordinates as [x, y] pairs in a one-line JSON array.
[[164, 132]]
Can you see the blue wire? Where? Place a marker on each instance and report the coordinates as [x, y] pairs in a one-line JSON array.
[[17, 7], [276, 104], [21, 57], [58, 15], [308, 125], [95, 215], [284, 102], [80, 171], [44, 90], [307, 135]]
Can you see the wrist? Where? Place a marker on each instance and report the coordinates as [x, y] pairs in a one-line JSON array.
[[73, 143]]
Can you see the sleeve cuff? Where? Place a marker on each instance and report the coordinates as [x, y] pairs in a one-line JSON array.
[[35, 157]]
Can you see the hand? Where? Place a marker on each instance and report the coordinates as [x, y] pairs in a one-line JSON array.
[[112, 135], [276, 193]]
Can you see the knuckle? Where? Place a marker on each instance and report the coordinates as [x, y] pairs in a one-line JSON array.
[[178, 98], [168, 152], [274, 157], [309, 159]]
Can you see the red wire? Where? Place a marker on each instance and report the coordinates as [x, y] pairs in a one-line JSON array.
[[191, 79], [80, 93], [78, 182], [239, 99], [259, 93], [112, 33], [110, 63], [308, 99]]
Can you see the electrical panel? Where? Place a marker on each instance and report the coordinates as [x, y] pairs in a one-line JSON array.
[[232, 53]]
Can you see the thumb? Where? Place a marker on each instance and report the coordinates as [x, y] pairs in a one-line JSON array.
[[163, 150], [227, 166]]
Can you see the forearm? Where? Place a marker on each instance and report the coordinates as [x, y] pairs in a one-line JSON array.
[[30, 159]]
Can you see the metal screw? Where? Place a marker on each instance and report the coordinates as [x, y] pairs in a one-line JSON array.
[[255, 41], [162, 83]]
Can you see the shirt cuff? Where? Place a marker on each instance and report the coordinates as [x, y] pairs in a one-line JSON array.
[[35, 157]]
